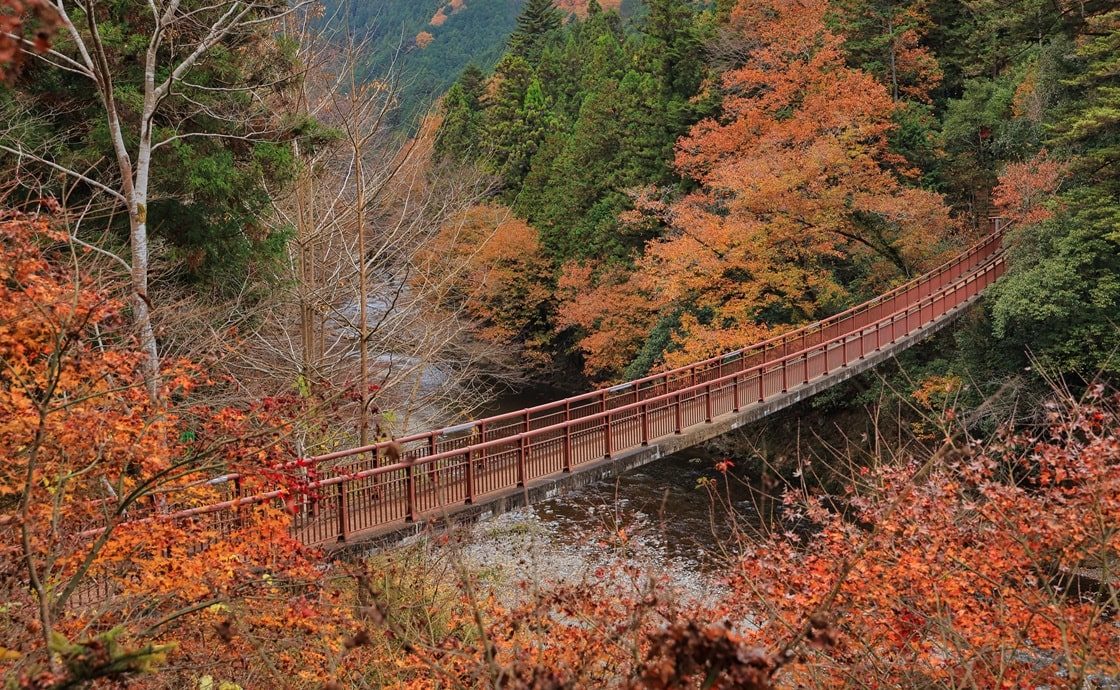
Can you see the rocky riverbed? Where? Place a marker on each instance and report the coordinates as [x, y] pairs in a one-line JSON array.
[[660, 521]]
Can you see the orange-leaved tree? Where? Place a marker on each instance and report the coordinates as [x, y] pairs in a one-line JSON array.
[[1027, 190], [487, 264], [98, 565], [799, 208], [981, 566]]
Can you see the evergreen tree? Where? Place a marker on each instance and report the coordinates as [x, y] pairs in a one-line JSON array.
[[673, 52], [473, 82], [673, 47], [458, 134], [1091, 129], [516, 122], [1061, 297], [537, 20], [462, 116]]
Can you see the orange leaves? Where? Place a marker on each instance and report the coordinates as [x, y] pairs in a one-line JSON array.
[[798, 209], [92, 468], [685, 651], [12, 30], [616, 308], [974, 573], [489, 264], [1027, 191]]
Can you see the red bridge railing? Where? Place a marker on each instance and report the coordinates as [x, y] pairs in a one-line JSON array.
[[353, 491]]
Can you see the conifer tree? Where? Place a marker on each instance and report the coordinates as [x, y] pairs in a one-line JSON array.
[[537, 19], [1061, 295], [458, 132], [514, 122]]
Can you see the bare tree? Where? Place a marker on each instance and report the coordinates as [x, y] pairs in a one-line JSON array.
[[180, 36], [354, 312]]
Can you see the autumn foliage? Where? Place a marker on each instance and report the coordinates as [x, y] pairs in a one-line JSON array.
[[984, 566], [799, 209], [17, 19], [1027, 191], [96, 576], [492, 264], [980, 565]]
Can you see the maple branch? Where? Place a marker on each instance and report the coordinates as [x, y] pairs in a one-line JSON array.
[[814, 620], [174, 615], [888, 252]]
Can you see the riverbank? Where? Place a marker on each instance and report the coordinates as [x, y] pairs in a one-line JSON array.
[[655, 522]]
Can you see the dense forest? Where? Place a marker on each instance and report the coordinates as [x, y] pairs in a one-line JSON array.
[[427, 44], [689, 203], [234, 236]]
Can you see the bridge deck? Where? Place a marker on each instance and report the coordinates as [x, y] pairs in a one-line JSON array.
[[355, 495], [510, 459]]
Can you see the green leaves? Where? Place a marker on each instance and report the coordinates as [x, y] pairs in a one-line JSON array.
[[1061, 295], [104, 657]]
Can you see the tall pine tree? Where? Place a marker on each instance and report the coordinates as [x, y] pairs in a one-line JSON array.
[[537, 20]]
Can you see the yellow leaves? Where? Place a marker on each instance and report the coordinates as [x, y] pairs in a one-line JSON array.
[[936, 391], [207, 682]]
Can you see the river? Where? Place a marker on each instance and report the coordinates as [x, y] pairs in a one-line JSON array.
[[680, 502]]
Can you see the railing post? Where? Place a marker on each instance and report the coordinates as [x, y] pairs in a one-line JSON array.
[[761, 383], [410, 485], [785, 376], [610, 449], [568, 445], [238, 495], [522, 456], [644, 411], [482, 439], [679, 420], [343, 512], [735, 394], [433, 472], [708, 403], [470, 477]]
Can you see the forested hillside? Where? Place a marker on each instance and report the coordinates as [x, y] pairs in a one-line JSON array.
[[719, 174], [221, 263], [427, 43]]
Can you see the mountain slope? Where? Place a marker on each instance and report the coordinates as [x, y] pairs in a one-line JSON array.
[[433, 40]]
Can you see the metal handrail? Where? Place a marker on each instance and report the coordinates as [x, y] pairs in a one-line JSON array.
[[986, 264], [981, 250]]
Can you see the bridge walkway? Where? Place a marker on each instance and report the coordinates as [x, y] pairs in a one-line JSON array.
[[493, 464]]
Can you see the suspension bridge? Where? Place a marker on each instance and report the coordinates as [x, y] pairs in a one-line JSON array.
[[494, 464]]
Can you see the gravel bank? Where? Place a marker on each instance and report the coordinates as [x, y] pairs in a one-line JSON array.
[[529, 546]]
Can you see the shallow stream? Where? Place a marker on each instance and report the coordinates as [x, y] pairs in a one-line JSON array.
[[679, 503]]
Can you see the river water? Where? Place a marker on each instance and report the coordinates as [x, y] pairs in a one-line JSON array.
[[680, 502]]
